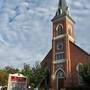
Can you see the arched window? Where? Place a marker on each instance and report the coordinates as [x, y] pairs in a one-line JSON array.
[[79, 67], [60, 74], [59, 29]]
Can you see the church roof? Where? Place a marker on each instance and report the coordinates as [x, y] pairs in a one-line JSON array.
[[79, 48], [48, 57]]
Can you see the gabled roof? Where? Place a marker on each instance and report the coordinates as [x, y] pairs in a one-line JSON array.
[[82, 50], [47, 57]]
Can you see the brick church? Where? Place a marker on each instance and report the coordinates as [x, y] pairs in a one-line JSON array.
[[65, 57]]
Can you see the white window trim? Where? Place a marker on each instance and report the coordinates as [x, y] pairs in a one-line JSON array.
[[60, 70], [54, 74], [78, 66], [60, 36], [59, 53], [59, 61], [70, 38], [58, 26], [80, 80], [59, 31]]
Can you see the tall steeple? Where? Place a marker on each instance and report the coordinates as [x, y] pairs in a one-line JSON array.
[[62, 8], [62, 11]]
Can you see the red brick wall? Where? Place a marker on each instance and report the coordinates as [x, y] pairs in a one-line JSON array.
[[47, 60], [77, 55], [73, 56]]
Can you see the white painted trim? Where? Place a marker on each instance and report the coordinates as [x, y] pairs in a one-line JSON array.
[[61, 70], [53, 76], [59, 52], [58, 26], [60, 36], [59, 61], [80, 80], [70, 38], [77, 66]]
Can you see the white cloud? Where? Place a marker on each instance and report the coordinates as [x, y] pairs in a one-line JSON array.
[[25, 29]]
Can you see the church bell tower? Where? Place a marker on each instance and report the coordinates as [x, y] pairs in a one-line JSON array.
[[63, 33]]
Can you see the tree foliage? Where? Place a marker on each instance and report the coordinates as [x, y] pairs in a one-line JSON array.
[[34, 74], [26, 71], [38, 73], [3, 78], [12, 70], [85, 73], [4, 73]]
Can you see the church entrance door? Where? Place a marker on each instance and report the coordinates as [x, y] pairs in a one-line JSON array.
[[60, 83], [60, 80]]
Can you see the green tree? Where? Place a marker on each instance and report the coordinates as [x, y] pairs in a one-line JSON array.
[[38, 73], [34, 74], [85, 73], [11, 70], [26, 71], [4, 73], [3, 78]]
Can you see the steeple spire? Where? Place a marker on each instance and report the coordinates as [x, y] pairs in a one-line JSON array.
[[62, 7]]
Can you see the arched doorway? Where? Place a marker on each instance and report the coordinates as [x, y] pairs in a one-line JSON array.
[[60, 79]]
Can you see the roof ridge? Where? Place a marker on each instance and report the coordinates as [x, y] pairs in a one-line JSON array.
[[80, 48]]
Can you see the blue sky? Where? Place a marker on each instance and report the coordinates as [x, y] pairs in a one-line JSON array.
[[25, 29]]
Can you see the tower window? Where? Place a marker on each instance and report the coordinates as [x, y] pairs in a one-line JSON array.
[[60, 56], [79, 67], [59, 29]]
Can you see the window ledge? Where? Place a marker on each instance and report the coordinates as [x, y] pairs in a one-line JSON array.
[[60, 36], [59, 61], [70, 38]]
